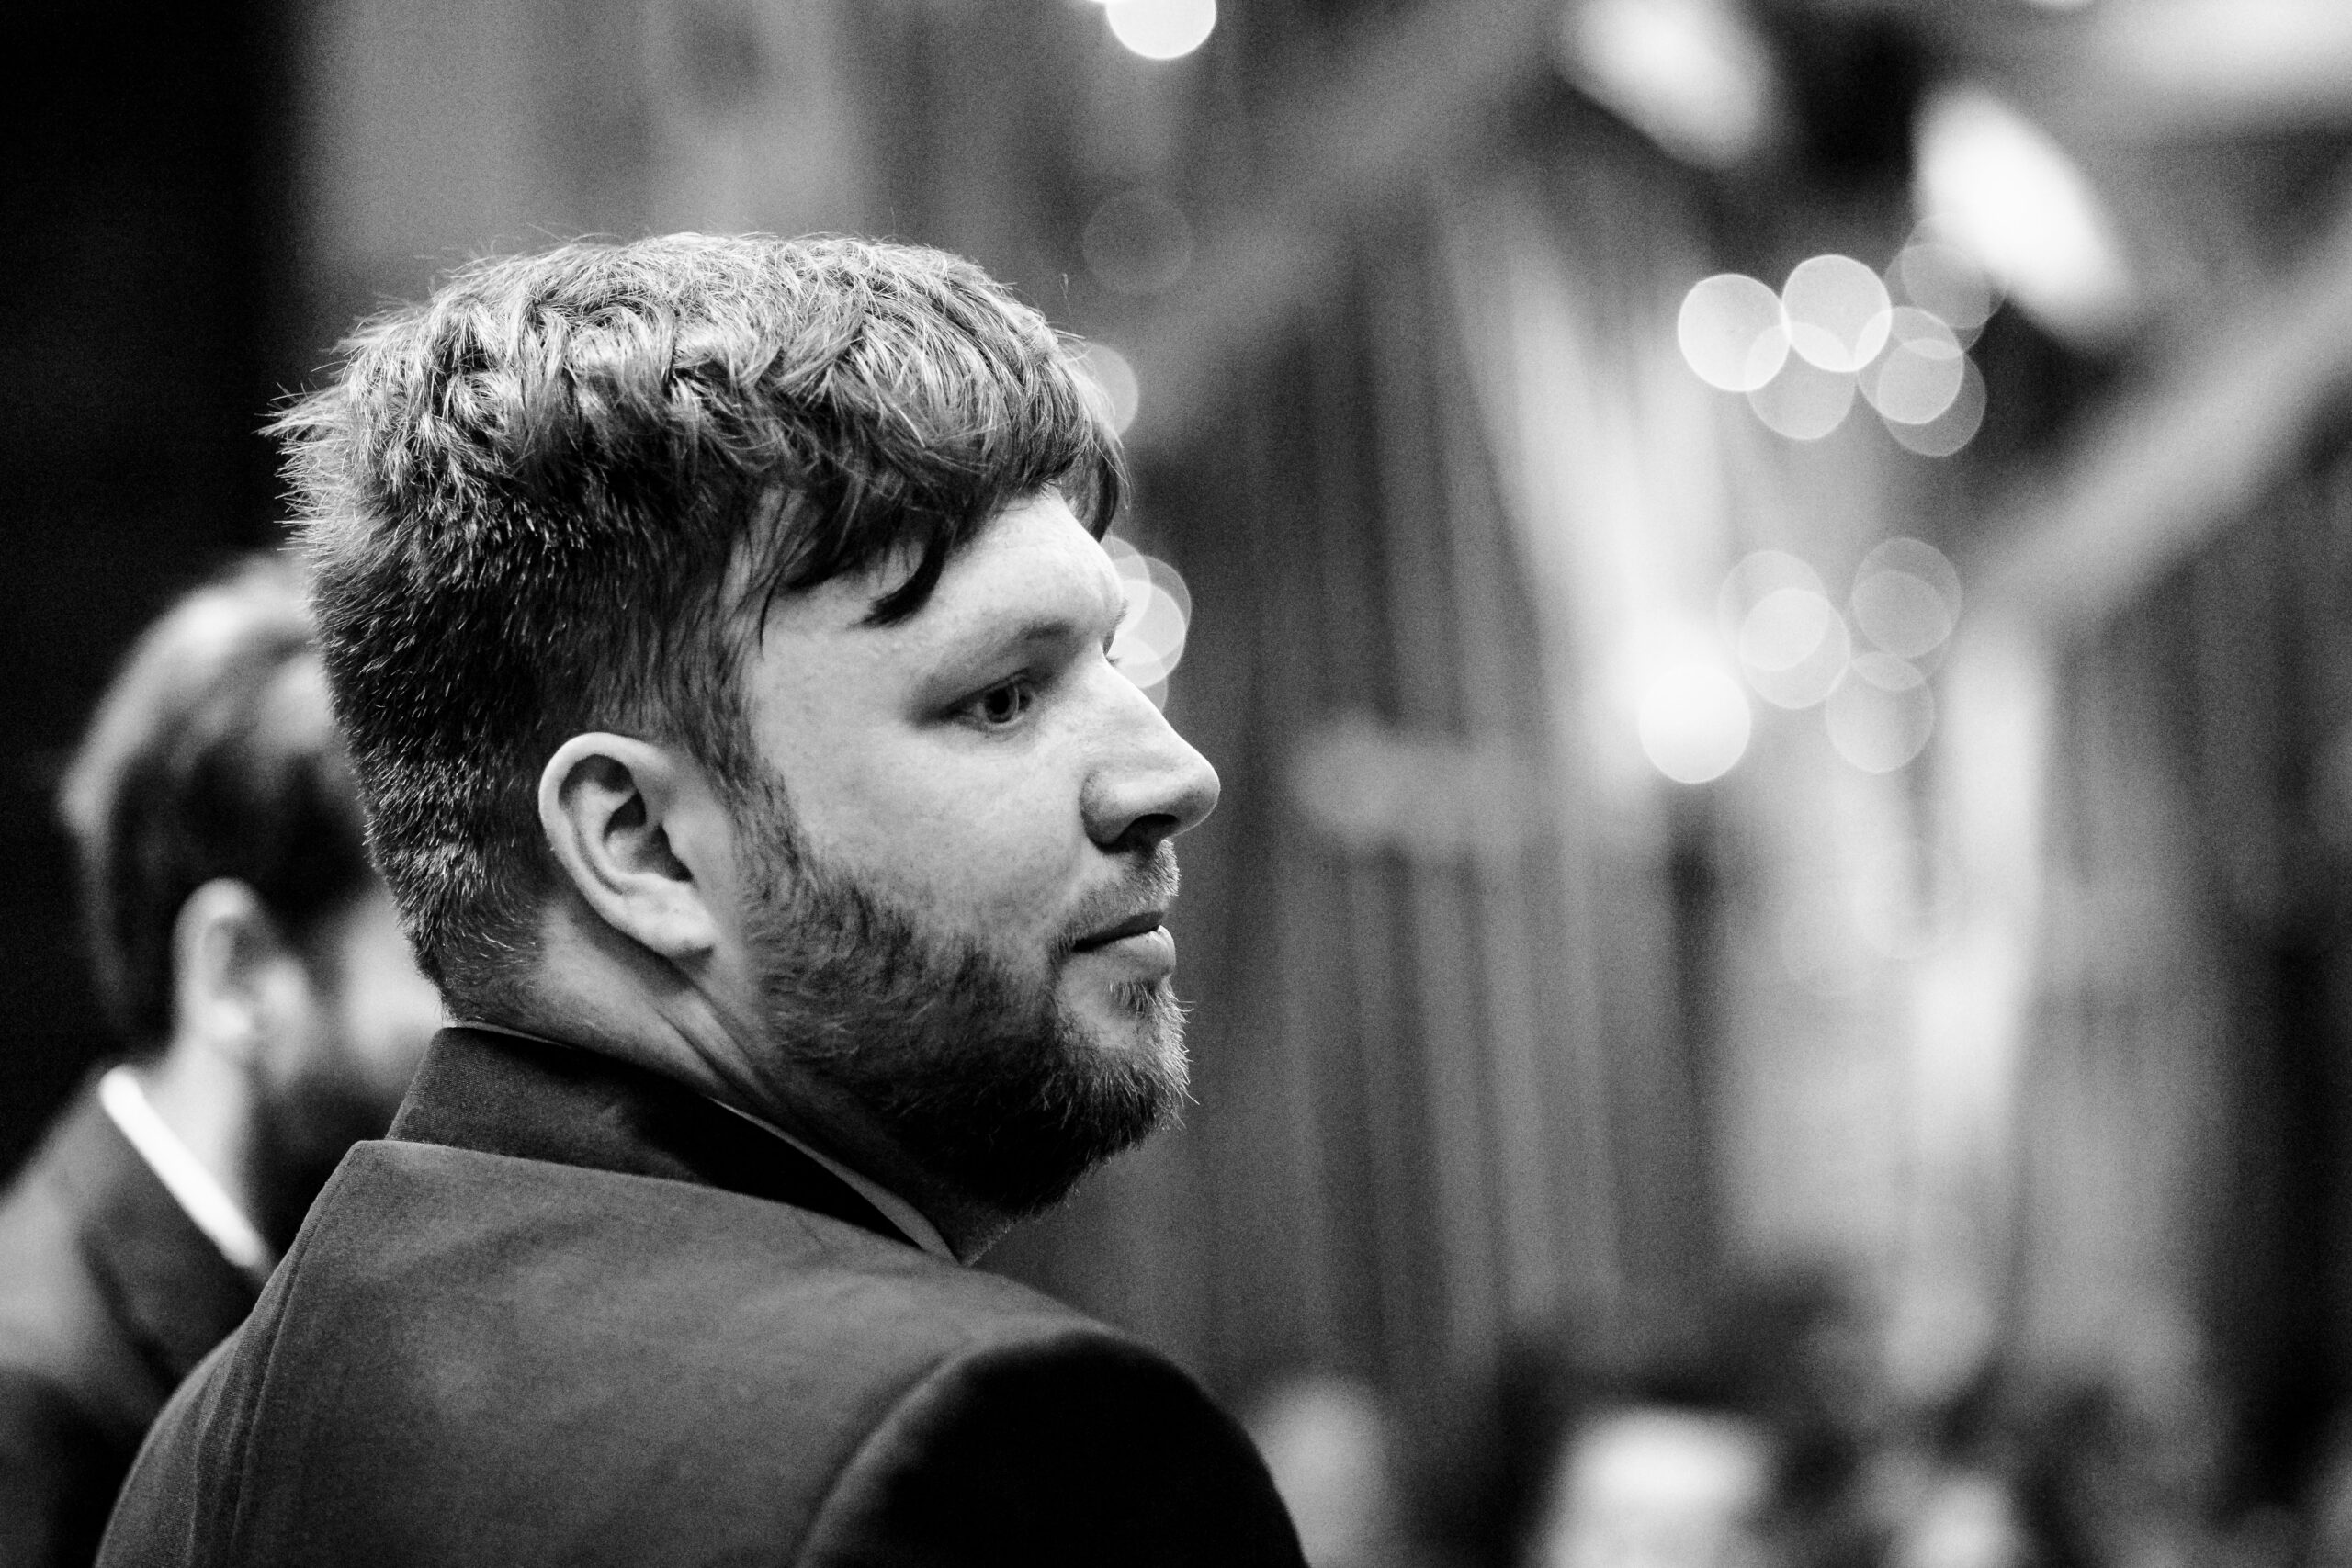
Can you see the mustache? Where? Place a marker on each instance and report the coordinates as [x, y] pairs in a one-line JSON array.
[[1150, 884]]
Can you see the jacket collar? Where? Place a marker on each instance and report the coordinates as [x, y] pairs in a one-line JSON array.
[[508, 1094], [172, 1291]]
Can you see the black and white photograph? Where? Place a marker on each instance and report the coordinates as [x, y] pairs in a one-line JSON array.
[[1176, 783]]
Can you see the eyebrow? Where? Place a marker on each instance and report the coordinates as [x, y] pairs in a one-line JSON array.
[[1047, 629], [1036, 631]]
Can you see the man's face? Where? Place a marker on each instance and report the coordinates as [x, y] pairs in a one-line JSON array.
[[957, 883]]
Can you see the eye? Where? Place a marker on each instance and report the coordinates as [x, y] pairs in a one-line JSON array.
[[1003, 705]]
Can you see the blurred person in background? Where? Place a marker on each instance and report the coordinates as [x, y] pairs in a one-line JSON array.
[[1330, 1443], [1659, 1485], [1722, 1430], [254, 961], [722, 632]]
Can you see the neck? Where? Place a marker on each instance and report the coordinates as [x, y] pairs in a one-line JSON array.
[[595, 990], [207, 1100]]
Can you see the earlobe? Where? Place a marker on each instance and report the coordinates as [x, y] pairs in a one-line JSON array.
[[610, 807]]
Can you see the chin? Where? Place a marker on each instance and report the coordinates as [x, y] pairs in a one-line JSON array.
[[1137, 1019]]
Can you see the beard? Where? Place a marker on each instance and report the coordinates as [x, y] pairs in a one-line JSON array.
[[302, 1127], [976, 1068]]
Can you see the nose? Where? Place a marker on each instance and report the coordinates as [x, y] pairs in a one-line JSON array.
[[1150, 785]]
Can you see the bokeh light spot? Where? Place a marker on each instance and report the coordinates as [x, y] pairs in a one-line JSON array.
[[1945, 281], [1113, 380], [1793, 647], [1804, 402], [1907, 598], [1732, 332], [1920, 375], [1952, 429], [1792, 643], [1747, 584], [1838, 313], [1784, 629], [1161, 29], [1901, 614], [1881, 717], [1150, 639], [1694, 723]]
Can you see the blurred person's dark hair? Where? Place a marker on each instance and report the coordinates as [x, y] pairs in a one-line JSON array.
[[556, 498], [211, 756], [1329, 1440]]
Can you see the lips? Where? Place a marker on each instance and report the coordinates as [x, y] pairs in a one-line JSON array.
[[1133, 925]]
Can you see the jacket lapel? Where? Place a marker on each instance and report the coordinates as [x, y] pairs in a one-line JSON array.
[[174, 1294]]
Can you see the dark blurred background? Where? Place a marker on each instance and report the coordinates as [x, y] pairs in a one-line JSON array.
[[1810, 819]]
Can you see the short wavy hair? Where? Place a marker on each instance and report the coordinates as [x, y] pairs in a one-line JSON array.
[[559, 495], [212, 754]]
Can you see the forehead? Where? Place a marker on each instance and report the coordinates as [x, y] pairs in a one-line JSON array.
[[1034, 564]]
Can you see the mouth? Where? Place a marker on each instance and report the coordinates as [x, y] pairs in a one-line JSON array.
[[1133, 925]]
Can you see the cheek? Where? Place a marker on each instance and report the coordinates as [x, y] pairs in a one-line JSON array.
[[302, 1026], [384, 1012], [385, 1027], [987, 850]]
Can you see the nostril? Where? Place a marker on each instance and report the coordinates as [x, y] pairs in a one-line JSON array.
[[1146, 833]]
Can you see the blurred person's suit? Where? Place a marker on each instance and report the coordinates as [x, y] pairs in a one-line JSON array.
[[249, 956], [726, 667], [110, 1295]]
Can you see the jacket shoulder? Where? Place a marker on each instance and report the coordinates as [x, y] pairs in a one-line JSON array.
[[1076, 1448], [471, 1357], [62, 1345]]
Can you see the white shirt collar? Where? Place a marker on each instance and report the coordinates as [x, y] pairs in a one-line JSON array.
[[896, 1210], [196, 1190]]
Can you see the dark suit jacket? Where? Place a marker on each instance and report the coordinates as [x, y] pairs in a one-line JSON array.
[[573, 1312], [109, 1296]]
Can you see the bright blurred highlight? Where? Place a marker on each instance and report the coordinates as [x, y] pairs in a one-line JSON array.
[[1920, 374], [1946, 282], [1150, 641], [1838, 313], [1161, 29], [1907, 598], [1755, 579], [1694, 723], [1952, 429], [1993, 183], [1880, 716], [1793, 647], [1690, 74], [1792, 642], [1732, 332], [1115, 379], [1804, 402]]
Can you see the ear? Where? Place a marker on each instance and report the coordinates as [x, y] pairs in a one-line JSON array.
[[611, 808], [222, 942]]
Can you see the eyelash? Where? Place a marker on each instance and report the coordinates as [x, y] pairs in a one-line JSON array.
[[1027, 687], [1022, 687]]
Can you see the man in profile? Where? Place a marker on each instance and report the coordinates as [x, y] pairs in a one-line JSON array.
[[246, 950], [721, 633]]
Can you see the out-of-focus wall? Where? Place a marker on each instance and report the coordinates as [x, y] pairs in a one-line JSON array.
[[145, 189]]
